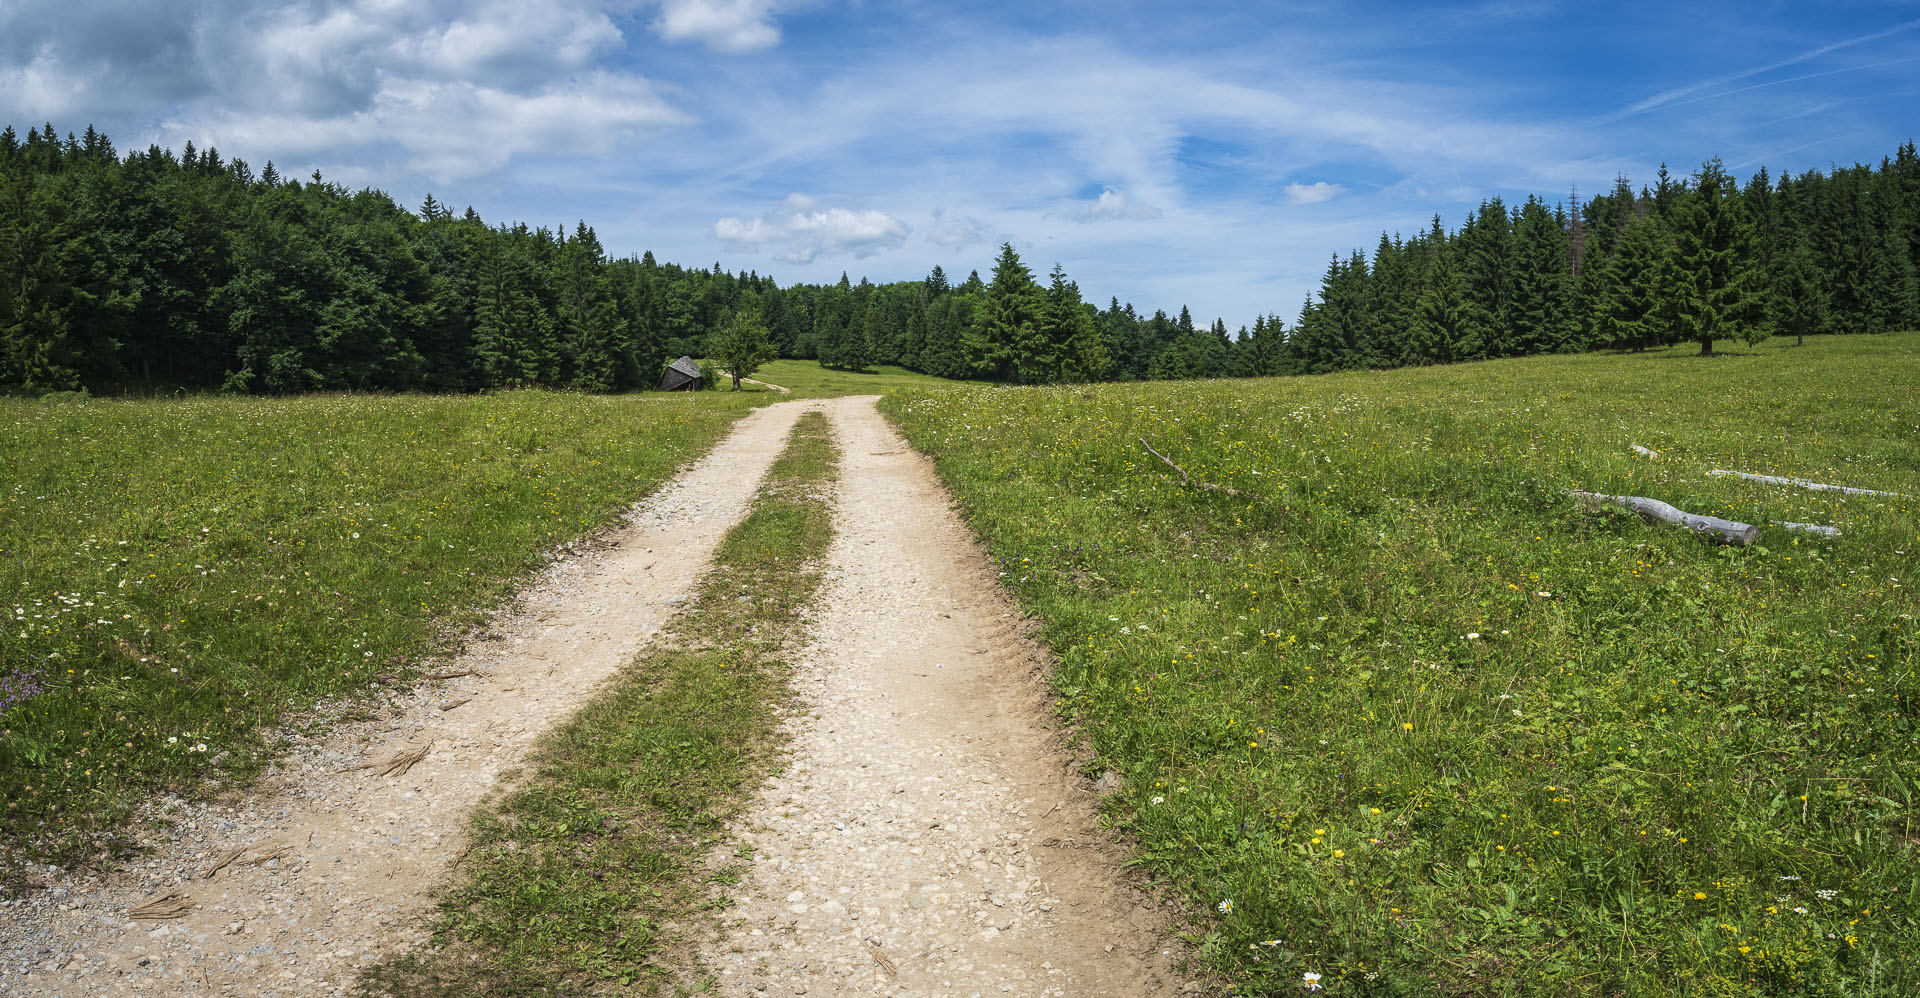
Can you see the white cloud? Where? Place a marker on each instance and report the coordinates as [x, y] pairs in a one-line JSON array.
[[1313, 193], [837, 231], [721, 25], [1111, 205], [826, 232], [450, 129], [459, 89], [751, 233]]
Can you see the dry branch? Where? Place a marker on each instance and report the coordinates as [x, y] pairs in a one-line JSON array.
[[1811, 528], [398, 763], [1184, 477], [1726, 531], [165, 906], [268, 853], [456, 703], [450, 675], [221, 863], [880, 959], [1643, 451], [1805, 484]]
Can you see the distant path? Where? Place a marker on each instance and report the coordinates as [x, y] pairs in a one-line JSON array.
[[763, 384], [929, 835], [358, 853]]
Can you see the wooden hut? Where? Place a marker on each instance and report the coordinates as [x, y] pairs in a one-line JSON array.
[[682, 375]]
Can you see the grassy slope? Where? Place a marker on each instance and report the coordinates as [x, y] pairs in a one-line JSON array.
[[592, 871], [1415, 722], [180, 574]]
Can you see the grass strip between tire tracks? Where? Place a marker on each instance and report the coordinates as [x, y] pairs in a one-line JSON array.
[[591, 874]]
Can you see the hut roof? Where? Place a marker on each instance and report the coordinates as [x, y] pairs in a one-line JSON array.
[[686, 366]]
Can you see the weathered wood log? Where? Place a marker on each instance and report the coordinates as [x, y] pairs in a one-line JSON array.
[[1805, 484], [1643, 451], [1726, 531], [1811, 528]]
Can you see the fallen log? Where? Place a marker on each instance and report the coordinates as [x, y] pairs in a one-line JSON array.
[[1726, 531], [1805, 484], [1811, 528]]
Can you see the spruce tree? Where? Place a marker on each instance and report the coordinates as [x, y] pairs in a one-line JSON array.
[[1004, 343], [1628, 307], [1798, 303], [1717, 293]]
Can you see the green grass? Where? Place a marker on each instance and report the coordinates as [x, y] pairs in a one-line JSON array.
[[1402, 715], [807, 379], [179, 575], [591, 874]]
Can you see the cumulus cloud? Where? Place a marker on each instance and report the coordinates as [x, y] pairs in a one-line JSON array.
[[749, 233], [1111, 205], [816, 233], [721, 25], [1313, 193], [458, 88]]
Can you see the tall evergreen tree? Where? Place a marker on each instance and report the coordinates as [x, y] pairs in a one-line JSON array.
[[1716, 294]]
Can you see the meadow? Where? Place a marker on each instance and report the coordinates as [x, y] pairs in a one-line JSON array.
[[1398, 713], [807, 379], [181, 575]]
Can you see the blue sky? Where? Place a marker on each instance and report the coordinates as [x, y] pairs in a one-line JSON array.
[[1210, 154]]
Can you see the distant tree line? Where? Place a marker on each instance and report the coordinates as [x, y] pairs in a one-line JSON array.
[[1688, 260], [191, 271], [156, 270]]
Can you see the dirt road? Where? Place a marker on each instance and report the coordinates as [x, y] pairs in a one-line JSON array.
[[354, 854], [929, 834]]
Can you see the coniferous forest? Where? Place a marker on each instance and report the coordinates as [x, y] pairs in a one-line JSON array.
[[163, 271]]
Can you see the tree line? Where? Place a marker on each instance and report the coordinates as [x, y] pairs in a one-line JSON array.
[[1686, 260], [156, 270]]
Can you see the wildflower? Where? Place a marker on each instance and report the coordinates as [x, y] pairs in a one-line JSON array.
[[1799, 911], [1226, 906], [1310, 980], [1407, 725], [1473, 635], [1159, 800], [1339, 854], [1269, 942], [1699, 896]]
